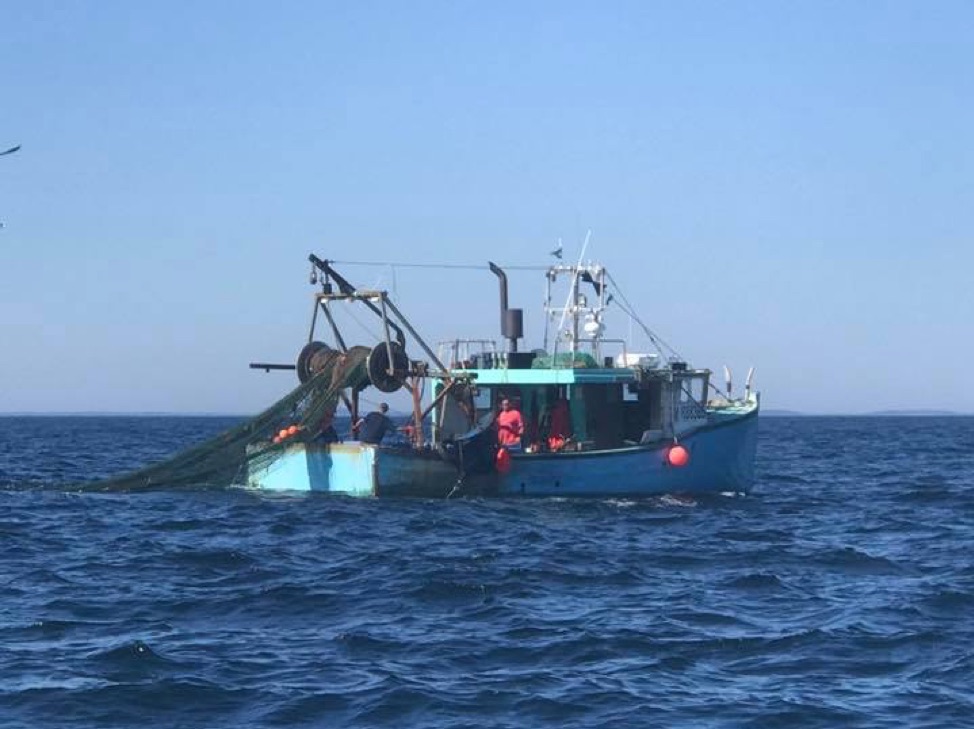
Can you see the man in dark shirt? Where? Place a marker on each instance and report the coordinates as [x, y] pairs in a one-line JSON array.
[[326, 430], [373, 427]]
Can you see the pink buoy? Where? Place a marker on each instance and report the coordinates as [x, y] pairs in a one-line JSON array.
[[678, 456]]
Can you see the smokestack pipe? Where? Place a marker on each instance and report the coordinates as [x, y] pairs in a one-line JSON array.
[[512, 320], [499, 272]]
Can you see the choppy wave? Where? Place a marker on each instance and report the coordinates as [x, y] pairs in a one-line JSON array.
[[838, 594]]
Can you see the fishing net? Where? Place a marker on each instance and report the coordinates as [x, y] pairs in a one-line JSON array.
[[569, 360], [306, 413]]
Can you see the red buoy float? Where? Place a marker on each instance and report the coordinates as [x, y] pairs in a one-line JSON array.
[[678, 456], [502, 462], [555, 443]]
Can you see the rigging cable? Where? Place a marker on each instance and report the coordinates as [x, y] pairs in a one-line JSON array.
[[364, 327], [628, 309]]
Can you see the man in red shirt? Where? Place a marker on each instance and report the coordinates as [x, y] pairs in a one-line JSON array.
[[510, 426], [559, 424]]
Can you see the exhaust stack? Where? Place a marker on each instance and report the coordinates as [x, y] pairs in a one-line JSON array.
[[512, 320]]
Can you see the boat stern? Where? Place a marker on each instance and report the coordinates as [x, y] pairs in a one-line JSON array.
[[341, 468]]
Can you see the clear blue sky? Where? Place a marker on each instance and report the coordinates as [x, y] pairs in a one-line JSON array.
[[784, 185]]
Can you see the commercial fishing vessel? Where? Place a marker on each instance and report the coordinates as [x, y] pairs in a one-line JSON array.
[[596, 420]]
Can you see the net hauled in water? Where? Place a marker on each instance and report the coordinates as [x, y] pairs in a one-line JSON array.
[[226, 459]]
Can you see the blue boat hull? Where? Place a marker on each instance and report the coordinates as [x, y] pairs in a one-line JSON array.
[[721, 459], [355, 469]]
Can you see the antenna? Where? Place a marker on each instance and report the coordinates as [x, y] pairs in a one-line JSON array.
[[573, 291]]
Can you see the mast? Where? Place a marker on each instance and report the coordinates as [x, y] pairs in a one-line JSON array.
[[585, 311]]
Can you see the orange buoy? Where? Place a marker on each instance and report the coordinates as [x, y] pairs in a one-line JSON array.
[[282, 433], [503, 460], [277, 439], [556, 443], [292, 430], [678, 456]]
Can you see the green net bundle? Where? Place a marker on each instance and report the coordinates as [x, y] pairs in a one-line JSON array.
[[567, 360], [225, 459]]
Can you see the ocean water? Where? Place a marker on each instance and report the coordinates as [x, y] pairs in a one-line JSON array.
[[839, 594]]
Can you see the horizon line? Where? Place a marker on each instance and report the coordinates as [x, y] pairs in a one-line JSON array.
[[770, 412]]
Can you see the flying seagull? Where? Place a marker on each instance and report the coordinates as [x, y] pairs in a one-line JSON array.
[[557, 252]]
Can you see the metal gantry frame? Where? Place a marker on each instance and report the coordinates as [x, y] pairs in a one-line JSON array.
[[378, 302], [576, 305], [393, 321]]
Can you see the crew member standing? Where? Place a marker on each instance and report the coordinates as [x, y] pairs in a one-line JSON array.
[[374, 426], [326, 430], [510, 426]]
